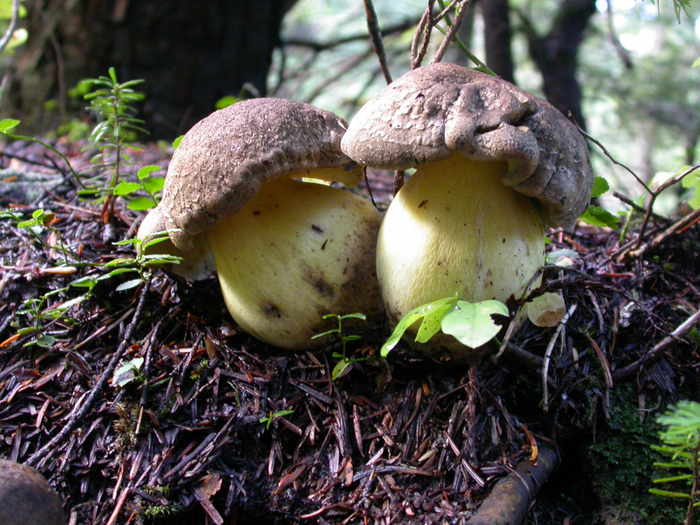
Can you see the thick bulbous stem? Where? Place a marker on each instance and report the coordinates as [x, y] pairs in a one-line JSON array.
[[296, 252], [455, 229]]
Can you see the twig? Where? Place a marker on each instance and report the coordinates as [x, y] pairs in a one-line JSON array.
[[79, 413], [325, 46], [677, 227], [452, 31], [614, 161], [659, 348], [636, 207], [375, 36], [421, 38], [11, 28], [655, 194], [548, 356]]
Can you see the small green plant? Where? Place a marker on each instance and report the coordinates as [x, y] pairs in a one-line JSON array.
[[41, 220], [470, 323], [43, 309], [342, 366], [148, 183], [128, 372], [141, 264], [113, 102], [682, 443], [274, 415]]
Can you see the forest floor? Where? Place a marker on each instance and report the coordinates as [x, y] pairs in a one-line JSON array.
[[147, 404]]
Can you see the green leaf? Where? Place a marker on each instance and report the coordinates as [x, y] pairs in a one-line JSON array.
[[554, 256], [696, 63], [471, 323], [128, 285], [226, 101], [153, 184], [672, 479], [19, 37], [597, 216], [125, 188], [177, 141], [147, 170], [432, 323], [6, 10], [340, 369], [127, 372], [409, 320], [7, 125], [116, 272], [46, 341], [85, 282], [141, 203], [692, 182], [354, 316], [600, 186], [669, 494]]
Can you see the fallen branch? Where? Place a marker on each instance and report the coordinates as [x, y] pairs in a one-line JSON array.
[[512, 496], [676, 228]]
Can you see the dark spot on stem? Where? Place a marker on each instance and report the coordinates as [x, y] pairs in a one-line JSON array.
[[271, 310], [316, 228], [323, 287]]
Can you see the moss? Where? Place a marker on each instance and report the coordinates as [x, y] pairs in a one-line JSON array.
[[621, 466]]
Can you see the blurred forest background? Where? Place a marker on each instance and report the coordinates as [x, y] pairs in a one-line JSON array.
[[623, 68]]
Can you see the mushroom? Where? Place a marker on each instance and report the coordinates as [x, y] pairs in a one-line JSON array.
[[26, 498], [286, 251], [493, 163]]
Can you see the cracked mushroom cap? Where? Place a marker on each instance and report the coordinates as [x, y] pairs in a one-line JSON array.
[[433, 112], [223, 161]]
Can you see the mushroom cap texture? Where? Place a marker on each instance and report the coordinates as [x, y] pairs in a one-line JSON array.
[[225, 158], [26, 498], [432, 112]]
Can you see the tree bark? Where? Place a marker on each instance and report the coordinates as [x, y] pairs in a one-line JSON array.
[[556, 55], [497, 36], [190, 54]]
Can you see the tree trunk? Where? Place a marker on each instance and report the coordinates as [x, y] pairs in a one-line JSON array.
[[190, 54], [556, 55], [497, 36]]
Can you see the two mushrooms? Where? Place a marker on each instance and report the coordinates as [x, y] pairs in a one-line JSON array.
[[245, 195]]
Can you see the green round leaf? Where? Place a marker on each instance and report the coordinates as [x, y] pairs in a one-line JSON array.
[[471, 323], [141, 203]]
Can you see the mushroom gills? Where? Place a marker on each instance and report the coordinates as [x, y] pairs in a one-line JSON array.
[[295, 252], [455, 228]]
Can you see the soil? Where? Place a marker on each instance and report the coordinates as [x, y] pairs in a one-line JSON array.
[[142, 402]]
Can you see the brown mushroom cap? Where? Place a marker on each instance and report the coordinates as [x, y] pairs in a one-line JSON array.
[[433, 112], [225, 158]]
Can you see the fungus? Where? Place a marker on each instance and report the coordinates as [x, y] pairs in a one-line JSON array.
[[492, 163], [286, 251]]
